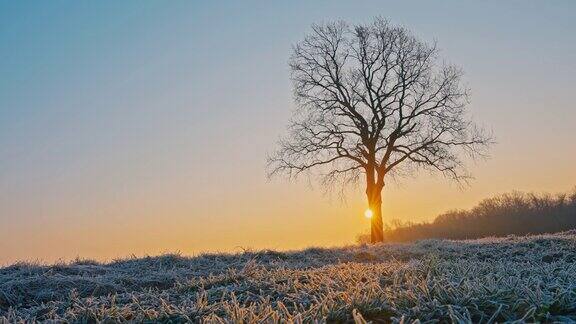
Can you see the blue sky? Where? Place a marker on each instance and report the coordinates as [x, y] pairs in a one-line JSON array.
[[114, 114]]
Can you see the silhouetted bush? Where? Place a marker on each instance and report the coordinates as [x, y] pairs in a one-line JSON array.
[[513, 213]]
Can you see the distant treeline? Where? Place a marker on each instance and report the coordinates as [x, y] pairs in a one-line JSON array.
[[513, 213]]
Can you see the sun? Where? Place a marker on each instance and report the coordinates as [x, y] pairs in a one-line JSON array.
[[368, 213]]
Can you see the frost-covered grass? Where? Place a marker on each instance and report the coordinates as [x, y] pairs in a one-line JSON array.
[[530, 278]]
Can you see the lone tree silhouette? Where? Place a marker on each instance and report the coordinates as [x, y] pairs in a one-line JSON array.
[[373, 100]]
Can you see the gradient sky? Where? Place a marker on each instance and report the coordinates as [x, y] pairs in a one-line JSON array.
[[141, 127]]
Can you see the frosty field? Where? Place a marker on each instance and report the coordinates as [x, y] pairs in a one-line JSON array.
[[528, 279]]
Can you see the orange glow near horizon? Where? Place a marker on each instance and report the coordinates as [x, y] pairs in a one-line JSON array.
[[150, 225]]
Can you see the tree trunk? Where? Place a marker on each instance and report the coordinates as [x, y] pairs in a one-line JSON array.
[[375, 204]]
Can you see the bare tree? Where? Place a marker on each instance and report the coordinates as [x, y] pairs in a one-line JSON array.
[[373, 100]]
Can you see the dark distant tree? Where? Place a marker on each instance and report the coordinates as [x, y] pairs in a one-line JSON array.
[[373, 100]]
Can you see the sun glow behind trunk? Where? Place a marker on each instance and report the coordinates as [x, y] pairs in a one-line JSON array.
[[368, 213]]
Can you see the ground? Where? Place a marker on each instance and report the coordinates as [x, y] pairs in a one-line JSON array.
[[531, 278]]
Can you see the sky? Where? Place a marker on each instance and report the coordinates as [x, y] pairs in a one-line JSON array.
[[142, 127]]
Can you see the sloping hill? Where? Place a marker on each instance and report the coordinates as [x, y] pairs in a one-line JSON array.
[[497, 279]]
